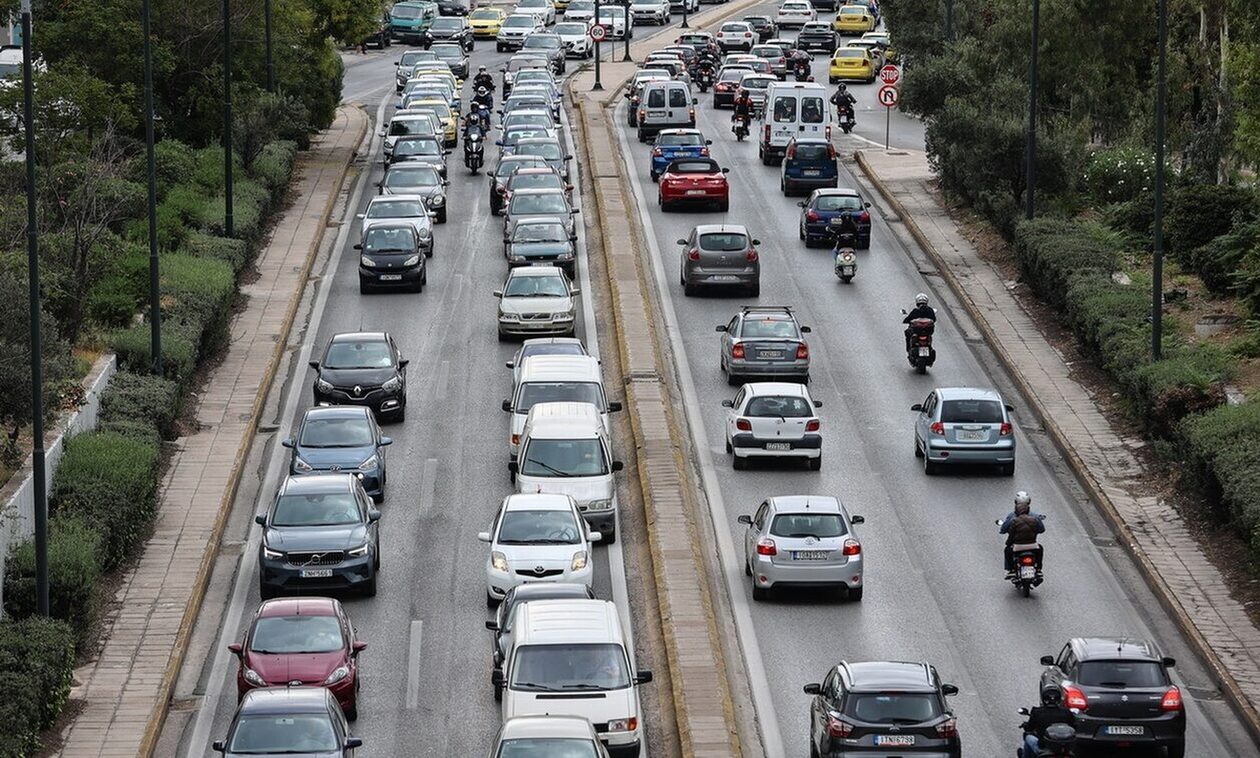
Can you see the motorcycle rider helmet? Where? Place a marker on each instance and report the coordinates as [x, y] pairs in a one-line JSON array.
[[481, 69], [481, 91], [841, 88], [1023, 503], [920, 299], [1051, 695]]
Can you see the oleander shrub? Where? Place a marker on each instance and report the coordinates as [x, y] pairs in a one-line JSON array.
[[73, 576], [144, 399], [36, 672], [109, 482]]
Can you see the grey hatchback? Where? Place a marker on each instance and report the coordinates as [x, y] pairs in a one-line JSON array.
[[720, 255], [764, 341], [960, 425]]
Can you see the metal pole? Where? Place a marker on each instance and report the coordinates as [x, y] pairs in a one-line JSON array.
[[271, 69], [1157, 267], [37, 352], [227, 119], [155, 296], [887, 128], [598, 86], [684, 24], [627, 57], [1030, 164]]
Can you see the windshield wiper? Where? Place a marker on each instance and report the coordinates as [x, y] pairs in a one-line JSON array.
[[532, 686], [552, 469], [582, 686]]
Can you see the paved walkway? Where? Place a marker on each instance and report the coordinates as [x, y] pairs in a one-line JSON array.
[[124, 692], [1188, 585]]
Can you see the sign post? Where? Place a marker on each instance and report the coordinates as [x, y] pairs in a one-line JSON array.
[[597, 36], [888, 97]]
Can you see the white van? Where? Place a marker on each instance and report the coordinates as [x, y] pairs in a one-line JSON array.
[[569, 658], [665, 105], [556, 379], [565, 450], [793, 110]]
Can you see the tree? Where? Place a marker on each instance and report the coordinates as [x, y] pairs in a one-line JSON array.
[[15, 362], [72, 108]]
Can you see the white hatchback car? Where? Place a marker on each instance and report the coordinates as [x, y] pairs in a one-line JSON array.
[[773, 420], [537, 538], [795, 13]]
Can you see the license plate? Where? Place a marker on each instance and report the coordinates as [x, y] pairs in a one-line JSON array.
[[925, 351], [778, 446], [316, 573], [846, 270], [968, 435], [695, 192], [809, 555], [1029, 572], [894, 740], [834, 221], [1126, 730], [812, 172], [657, 114], [770, 354], [725, 278], [391, 277]]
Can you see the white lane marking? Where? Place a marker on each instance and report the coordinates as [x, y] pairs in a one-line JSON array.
[[758, 683], [413, 666], [443, 378], [248, 568], [428, 483]]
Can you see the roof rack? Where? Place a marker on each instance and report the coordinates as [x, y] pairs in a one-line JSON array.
[[748, 308]]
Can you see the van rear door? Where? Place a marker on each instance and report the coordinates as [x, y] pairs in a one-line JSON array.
[[679, 105], [813, 115]]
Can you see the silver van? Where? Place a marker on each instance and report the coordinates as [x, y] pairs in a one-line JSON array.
[[556, 379], [665, 105]]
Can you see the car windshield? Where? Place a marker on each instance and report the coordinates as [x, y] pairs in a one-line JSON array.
[[1122, 674], [412, 176], [484, 15], [558, 668], [402, 127], [540, 233], [564, 458], [405, 11], [578, 29], [769, 328], [441, 109], [446, 25], [336, 432], [725, 242], [536, 181], [756, 82], [971, 412], [838, 203], [448, 52], [692, 167], [536, 74], [412, 57], [535, 286], [547, 202], [852, 10], [539, 528], [396, 209], [328, 509], [771, 406], [508, 166], [347, 355], [734, 28], [547, 747], [296, 634], [580, 5], [533, 393], [611, 13], [732, 74], [542, 42], [515, 21], [893, 708], [396, 240], [288, 733], [669, 140], [802, 525]]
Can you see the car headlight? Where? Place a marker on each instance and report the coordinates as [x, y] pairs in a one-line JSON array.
[[565, 256], [425, 233], [339, 673], [366, 262], [360, 551], [393, 383], [413, 260], [369, 465], [301, 465], [600, 505], [623, 725], [579, 561], [509, 317], [498, 561], [274, 555], [439, 200], [254, 678], [323, 386], [566, 316]]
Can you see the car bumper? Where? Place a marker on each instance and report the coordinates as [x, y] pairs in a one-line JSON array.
[[821, 230], [381, 402], [349, 574], [811, 182], [1090, 732], [708, 196], [568, 266], [343, 690], [722, 278], [721, 99], [826, 45], [850, 74], [388, 278], [577, 50], [741, 44], [499, 582], [748, 446], [485, 32], [627, 749], [768, 370], [768, 574], [963, 454], [532, 328]]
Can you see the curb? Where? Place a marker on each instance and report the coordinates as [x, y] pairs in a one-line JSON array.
[[1237, 699], [157, 719]]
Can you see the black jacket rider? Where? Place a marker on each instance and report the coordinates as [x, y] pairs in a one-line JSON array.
[[920, 311], [1042, 716], [483, 80]]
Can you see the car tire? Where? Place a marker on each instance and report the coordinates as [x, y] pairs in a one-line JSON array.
[[491, 600], [918, 453], [689, 289], [760, 593], [369, 587], [503, 337], [855, 594], [815, 464], [813, 750], [655, 177], [737, 463], [402, 415], [364, 288], [1177, 750], [929, 468], [729, 450], [441, 216], [754, 290], [747, 567], [352, 714], [1008, 469], [610, 536]]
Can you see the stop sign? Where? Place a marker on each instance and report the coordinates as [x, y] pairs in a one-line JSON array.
[[890, 75]]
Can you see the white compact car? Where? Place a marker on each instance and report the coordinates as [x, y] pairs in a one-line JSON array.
[[773, 420], [795, 13], [537, 538]]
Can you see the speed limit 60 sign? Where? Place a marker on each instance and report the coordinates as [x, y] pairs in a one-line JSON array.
[[599, 32], [887, 96]]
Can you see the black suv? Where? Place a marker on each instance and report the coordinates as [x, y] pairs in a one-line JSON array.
[[1121, 692], [363, 368], [816, 36], [763, 26], [452, 29], [892, 707]]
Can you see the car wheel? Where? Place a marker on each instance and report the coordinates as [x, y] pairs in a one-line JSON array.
[[918, 453], [352, 714], [929, 468], [737, 463], [503, 337], [402, 415], [729, 449], [369, 587], [855, 594], [747, 567], [655, 177], [1177, 750], [760, 593], [815, 464], [498, 694], [689, 289], [755, 290], [491, 600], [363, 287], [724, 206], [813, 750], [441, 216], [1008, 469]]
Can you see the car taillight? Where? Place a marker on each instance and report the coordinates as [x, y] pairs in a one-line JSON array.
[[1005, 430], [765, 546], [516, 439], [694, 255], [864, 216], [852, 547], [743, 424], [813, 425], [737, 351], [782, 60], [747, 34], [656, 152], [766, 138], [752, 256], [692, 113], [838, 727], [802, 351], [1171, 700], [947, 728], [642, 113], [791, 151], [811, 215], [1075, 699], [828, 131], [938, 428]]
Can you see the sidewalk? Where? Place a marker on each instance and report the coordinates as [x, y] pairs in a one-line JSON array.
[[123, 694], [1190, 588]]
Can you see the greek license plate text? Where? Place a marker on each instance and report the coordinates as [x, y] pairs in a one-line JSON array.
[[316, 573], [391, 277], [968, 435], [809, 555], [778, 446], [895, 740], [1126, 730]]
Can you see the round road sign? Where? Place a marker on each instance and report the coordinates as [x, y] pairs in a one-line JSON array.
[[888, 96], [890, 74], [599, 32]]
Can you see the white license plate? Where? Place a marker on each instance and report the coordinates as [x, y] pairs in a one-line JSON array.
[[894, 740], [770, 354], [316, 573], [836, 221], [809, 555], [925, 351], [812, 172], [969, 435], [656, 114], [778, 446], [1126, 730], [695, 192], [725, 278], [1029, 572], [391, 277], [846, 270]]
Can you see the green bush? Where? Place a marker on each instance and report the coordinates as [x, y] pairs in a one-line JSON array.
[[1118, 175], [1222, 453], [1219, 262], [36, 671], [179, 350], [73, 576], [110, 482], [138, 430], [1188, 380], [1199, 213], [250, 203], [197, 296], [142, 398], [208, 171], [274, 166], [1136, 216], [1050, 251], [234, 252], [175, 162], [112, 302]]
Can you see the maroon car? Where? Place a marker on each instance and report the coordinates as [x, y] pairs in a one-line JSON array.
[[301, 641]]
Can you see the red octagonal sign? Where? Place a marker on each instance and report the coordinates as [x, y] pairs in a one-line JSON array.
[[890, 74]]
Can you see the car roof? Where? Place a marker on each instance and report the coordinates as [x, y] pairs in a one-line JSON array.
[[364, 336], [574, 368], [721, 229], [285, 700], [569, 621], [549, 591], [761, 389], [1115, 648], [336, 411], [968, 393], [545, 727], [298, 606], [321, 483], [564, 421], [535, 271], [537, 502], [803, 503], [875, 676]]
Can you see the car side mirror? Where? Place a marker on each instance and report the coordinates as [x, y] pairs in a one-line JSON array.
[[682, 242], [513, 467], [382, 132], [497, 678], [805, 330], [492, 625], [857, 519], [314, 365], [866, 205], [568, 157], [614, 406], [1047, 660], [483, 536], [1023, 711], [618, 465], [744, 520], [800, 204], [353, 742], [708, 142], [358, 215], [817, 403], [573, 238], [511, 364], [287, 442], [643, 677], [236, 649], [403, 362], [949, 689], [261, 519], [728, 403], [721, 328], [575, 211], [594, 536], [507, 406], [358, 646], [726, 171], [385, 441], [498, 143], [1170, 662], [917, 407], [812, 689], [756, 242], [373, 515], [695, 101], [626, 95], [219, 746], [1010, 409], [498, 293]]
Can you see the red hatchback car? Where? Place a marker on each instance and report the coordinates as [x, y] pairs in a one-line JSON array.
[[301, 641], [694, 180]]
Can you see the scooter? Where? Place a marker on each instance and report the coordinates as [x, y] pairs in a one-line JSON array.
[[740, 127], [705, 77], [474, 151], [802, 71], [920, 352], [846, 264], [1059, 741], [1024, 558], [846, 119]]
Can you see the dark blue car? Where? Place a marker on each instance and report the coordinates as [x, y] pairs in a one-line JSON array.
[[808, 163], [825, 206], [342, 440], [672, 144]]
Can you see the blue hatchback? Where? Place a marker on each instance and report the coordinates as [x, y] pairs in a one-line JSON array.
[[341, 439], [808, 163], [826, 205], [672, 144]]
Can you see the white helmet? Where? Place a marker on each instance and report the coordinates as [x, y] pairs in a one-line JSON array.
[[1023, 502], [920, 299]]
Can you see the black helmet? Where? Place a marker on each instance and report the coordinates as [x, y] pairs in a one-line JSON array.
[[1051, 695], [1059, 737], [842, 87]]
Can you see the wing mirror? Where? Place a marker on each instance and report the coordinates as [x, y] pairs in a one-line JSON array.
[[358, 246], [353, 742], [817, 403], [492, 625], [812, 689], [1047, 660], [386, 441], [507, 406], [857, 519], [726, 171], [682, 242], [513, 467], [403, 362], [800, 204], [758, 242], [1170, 662], [805, 330], [721, 328], [498, 293], [373, 515], [260, 519], [728, 404], [617, 466], [949, 689], [613, 407], [643, 677], [511, 364], [483, 536], [219, 746], [287, 442], [744, 520], [1010, 409], [917, 407], [236, 649]]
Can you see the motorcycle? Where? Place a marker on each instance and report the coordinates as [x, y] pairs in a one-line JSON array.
[[740, 127], [705, 77], [802, 70], [483, 116], [846, 264], [920, 352], [1059, 741], [846, 119], [474, 151], [1027, 571]]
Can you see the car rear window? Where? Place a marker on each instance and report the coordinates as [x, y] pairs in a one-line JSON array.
[[1121, 674], [769, 328], [784, 109], [892, 708], [677, 98], [732, 28], [850, 52], [802, 525], [546, 202], [656, 98], [811, 152], [692, 167], [852, 10], [533, 393], [536, 181], [680, 139], [838, 203], [971, 412], [812, 111], [772, 406], [723, 241]]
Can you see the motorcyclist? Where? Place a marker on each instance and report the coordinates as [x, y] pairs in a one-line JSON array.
[[843, 100], [743, 107], [483, 80], [801, 68], [1051, 711], [472, 125], [483, 99], [847, 225], [921, 310], [1021, 527]]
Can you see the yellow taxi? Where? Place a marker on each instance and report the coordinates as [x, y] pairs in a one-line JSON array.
[[890, 53], [436, 85], [853, 19], [561, 6], [445, 114], [485, 22], [851, 63]]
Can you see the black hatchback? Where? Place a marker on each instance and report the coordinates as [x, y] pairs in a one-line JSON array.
[[1121, 692], [892, 707], [363, 368], [390, 258]]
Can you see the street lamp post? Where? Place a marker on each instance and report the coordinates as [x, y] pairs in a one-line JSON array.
[[37, 356], [629, 20], [598, 85], [1031, 158], [1157, 262], [227, 119], [271, 69], [155, 298]]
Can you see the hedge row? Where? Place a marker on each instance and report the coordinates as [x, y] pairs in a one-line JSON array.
[[1222, 450], [36, 670]]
